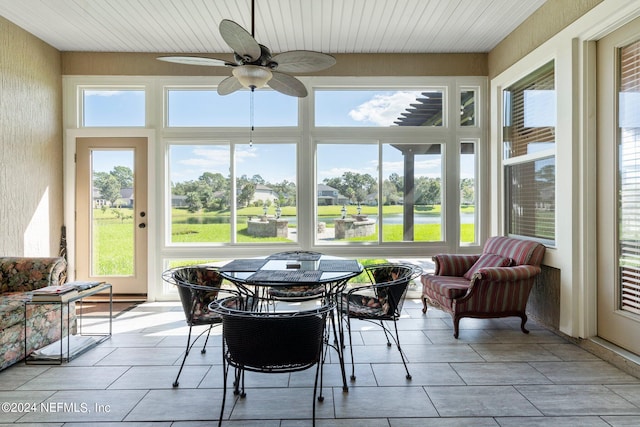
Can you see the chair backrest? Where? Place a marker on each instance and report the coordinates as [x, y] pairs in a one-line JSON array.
[[272, 341], [390, 284], [519, 250], [197, 286]]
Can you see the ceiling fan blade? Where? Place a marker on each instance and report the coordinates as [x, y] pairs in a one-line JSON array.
[[240, 40], [287, 84], [195, 60], [229, 85], [303, 61]]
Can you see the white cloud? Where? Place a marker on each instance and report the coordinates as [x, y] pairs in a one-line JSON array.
[[383, 110]]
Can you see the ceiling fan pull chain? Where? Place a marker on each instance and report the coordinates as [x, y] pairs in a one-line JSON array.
[[251, 119]]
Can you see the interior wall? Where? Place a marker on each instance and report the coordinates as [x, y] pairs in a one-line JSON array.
[[31, 208], [146, 64], [544, 23]]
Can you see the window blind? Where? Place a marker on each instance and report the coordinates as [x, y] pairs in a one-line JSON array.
[[629, 179], [530, 113], [529, 133]]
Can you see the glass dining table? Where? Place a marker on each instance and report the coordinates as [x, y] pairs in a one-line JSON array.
[[255, 276]]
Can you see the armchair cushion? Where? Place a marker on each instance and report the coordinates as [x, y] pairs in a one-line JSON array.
[[487, 260], [453, 264]]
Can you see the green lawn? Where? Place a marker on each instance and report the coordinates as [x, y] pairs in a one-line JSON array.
[[114, 242]]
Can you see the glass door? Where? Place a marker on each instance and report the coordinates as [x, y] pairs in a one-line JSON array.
[[111, 212], [619, 188]]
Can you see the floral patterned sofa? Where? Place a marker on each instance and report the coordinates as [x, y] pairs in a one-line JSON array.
[[18, 277]]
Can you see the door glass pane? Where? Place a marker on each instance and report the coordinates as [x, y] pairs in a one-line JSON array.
[[112, 216], [200, 194], [266, 193], [468, 206], [347, 193], [629, 179], [411, 192]]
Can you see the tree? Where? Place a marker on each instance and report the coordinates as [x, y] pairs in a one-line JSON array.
[[194, 204], [286, 192], [108, 186], [124, 175], [427, 191], [257, 179], [390, 194], [397, 181], [246, 194], [355, 186], [467, 191]]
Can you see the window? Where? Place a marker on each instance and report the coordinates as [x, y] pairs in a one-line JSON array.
[[379, 108], [200, 196], [412, 192], [468, 112], [529, 155], [204, 209], [113, 107], [468, 191], [203, 107], [266, 193], [353, 208], [347, 192]]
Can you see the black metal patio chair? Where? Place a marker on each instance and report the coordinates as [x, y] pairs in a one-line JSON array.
[[198, 286], [296, 291], [271, 342], [379, 301]]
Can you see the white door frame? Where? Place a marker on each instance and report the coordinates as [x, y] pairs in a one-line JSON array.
[[69, 177]]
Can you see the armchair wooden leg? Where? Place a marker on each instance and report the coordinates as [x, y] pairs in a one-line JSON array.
[[456, 327], [424, 304], [524, 320]]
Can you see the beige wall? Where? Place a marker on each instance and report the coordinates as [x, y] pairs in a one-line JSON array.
[[146, 64], [544, 23], [31, 208]]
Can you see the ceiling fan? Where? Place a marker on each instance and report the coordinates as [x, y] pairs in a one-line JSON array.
[[254, 66]]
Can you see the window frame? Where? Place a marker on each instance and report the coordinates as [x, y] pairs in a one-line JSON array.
[[527, 158]]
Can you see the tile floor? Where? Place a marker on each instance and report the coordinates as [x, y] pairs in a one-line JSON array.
[[493, 375]]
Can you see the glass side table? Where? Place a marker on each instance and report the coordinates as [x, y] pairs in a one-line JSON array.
[[69, 346]]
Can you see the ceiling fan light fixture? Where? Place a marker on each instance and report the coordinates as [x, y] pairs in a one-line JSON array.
[[252, 76]]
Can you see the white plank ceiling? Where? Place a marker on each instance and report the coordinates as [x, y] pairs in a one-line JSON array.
[[331, 26]]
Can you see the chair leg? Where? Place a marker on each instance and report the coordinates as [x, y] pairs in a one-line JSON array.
[[456, 326], [385, 333], [315, 389], [206, 340], [338, 340], [188, 350], [186, 353], [424, 305], [353, 366], [523, 316], [404, 360], [225, 374]]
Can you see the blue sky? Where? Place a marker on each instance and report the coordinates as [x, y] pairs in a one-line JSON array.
[[274, 163]]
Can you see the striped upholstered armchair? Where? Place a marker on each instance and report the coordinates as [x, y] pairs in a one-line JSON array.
[[493, 284]]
